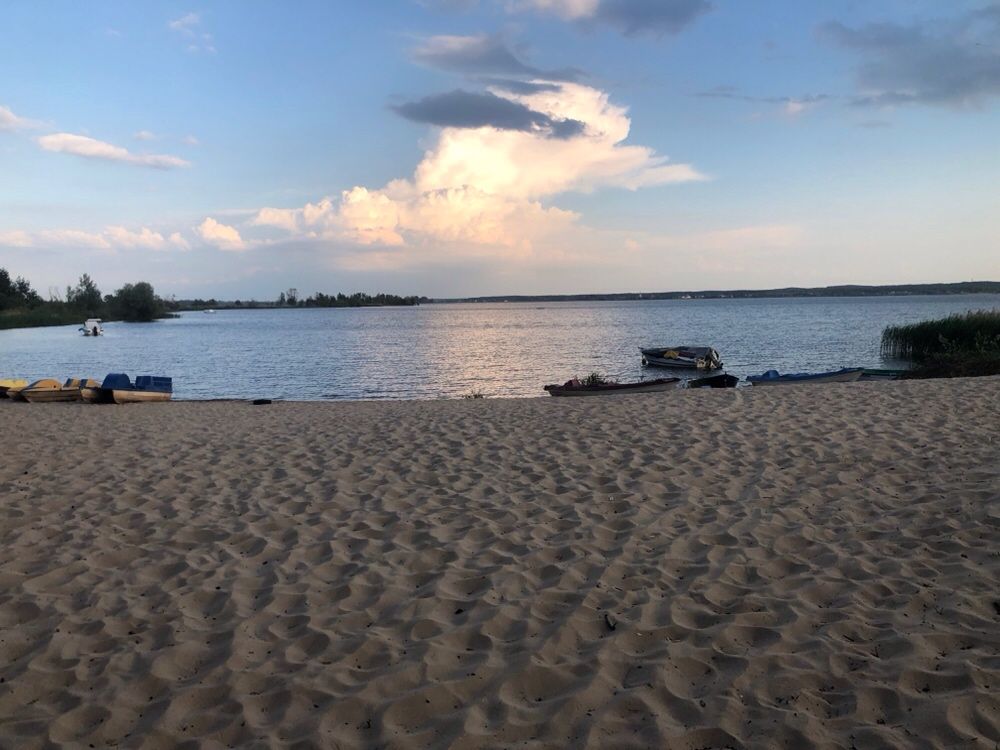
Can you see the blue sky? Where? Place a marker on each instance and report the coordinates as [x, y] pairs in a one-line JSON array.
[[461, 147]]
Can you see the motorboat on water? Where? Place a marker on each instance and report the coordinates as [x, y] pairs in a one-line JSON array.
[[685, 357], [773, 377], [92, 327], [575, 387]]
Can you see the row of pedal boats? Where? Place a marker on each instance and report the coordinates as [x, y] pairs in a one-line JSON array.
[[116, 388], [707, 359]]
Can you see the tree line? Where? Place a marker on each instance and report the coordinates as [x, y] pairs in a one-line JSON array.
[[291, 298], [20, 305]]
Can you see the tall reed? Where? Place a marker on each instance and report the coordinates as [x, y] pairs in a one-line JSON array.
[[970, 334]]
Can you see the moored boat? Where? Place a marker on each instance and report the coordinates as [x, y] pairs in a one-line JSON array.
[[146, 388], [8, 383], [773, 377], [882, 374], [576, 388], [42, 391], [685, 357], [721, 380], [92, 327]]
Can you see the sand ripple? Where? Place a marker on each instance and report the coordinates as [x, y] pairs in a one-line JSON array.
[[809, 567]]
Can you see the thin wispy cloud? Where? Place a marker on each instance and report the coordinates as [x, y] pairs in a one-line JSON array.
[[481, 55], [789, 105], [144, 135], [189, 28], [655, 18], [109, 239], [91, 148], [10, 122], [953, 62]]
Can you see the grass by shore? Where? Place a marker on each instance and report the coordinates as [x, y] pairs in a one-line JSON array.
[[956, 346]]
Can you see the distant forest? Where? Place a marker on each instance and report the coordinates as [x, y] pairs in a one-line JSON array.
[[291, 299], [847, 290], [22, 307]]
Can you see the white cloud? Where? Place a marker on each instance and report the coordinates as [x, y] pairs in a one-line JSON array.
[[10, 122], [221, 236], [91, 148], [111, 238], [186, 23], [145, 135], [189, 27], [484, 187], [190, 140], [145, 239], [568, 9]]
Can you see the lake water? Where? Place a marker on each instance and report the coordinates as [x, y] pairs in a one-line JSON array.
[[446, 351]]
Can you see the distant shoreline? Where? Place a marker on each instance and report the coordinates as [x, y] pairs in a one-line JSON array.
[[846, 290]]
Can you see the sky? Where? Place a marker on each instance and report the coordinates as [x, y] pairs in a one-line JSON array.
[[447, 148]]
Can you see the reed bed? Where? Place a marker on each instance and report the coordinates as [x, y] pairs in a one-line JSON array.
[[976, 332]]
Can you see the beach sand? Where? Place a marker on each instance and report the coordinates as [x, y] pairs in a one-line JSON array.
[[803, 567]]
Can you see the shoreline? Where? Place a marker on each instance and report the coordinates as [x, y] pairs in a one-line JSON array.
[[809, 566]]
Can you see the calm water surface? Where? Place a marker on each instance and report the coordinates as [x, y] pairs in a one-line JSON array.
[[442, 351]]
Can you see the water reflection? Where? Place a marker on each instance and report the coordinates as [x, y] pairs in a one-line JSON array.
[[439, 351]]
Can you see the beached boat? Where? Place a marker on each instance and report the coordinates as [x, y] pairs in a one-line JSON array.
[[576, 388], [119, 388], [50, 390], [7, 383], [879, 374], [686, 357], [92, 327], [773, 377], [714, 381]]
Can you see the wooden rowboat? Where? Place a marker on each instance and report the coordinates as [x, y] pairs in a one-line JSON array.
[[576, 388]]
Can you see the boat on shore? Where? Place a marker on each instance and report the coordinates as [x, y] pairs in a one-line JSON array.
[[50, 390], [575, 387], [118, 388], [92, 327], [722, 380], [684, 357], [882, 374], [773, 377], [7, 384]]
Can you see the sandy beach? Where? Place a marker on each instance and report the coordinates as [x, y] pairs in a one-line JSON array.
[[802, 567]]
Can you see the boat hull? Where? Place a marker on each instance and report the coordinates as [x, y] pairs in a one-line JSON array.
[[138, 397], [682, 357], [871, 374], [844, 376], [714, 381], [652, 386], [96, 395], [50, 396]]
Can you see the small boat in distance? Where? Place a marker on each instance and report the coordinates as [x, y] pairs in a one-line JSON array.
[[773, 377], [686, 357], [7, 383], [575, 387], [721, 380], [118, 388], [92, 327]]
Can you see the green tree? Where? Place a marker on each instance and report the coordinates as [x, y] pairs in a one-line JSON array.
[[137, 302], [86, 297]]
